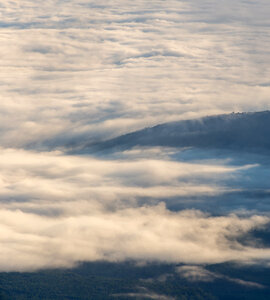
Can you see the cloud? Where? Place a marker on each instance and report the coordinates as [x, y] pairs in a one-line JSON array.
[[58, 210], [86, 71], [76, 72], [198, 273], [143, 234], [144, 293], [31, 175]]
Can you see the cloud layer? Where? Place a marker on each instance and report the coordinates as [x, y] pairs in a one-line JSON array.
[[86, 70], [80, 71], [58, 210]]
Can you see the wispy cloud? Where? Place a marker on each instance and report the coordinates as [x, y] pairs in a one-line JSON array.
[[144, 293], [198, 273]]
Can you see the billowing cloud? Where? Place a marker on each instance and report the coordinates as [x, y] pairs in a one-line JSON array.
[[146, 234], [58, 210]]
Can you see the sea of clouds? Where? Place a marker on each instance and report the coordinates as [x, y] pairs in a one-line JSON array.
[[89, 69], [77, 71]]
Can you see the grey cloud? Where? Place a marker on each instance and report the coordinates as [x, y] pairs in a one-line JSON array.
[[42, 49], [198, 273], [144, 293]]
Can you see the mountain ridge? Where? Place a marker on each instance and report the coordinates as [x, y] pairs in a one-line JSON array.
[[241, 131]]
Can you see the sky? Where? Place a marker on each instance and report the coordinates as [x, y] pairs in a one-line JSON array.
[[76, 72]]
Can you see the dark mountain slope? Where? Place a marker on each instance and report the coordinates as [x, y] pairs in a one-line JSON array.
[[238, 131]]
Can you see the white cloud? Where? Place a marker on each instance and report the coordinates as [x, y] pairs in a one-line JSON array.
[[57, 210], [143, 233], [28, 175], [87, 70], [78, 71]]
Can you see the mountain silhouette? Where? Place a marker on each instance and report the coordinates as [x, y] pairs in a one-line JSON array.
[[236, 131]]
